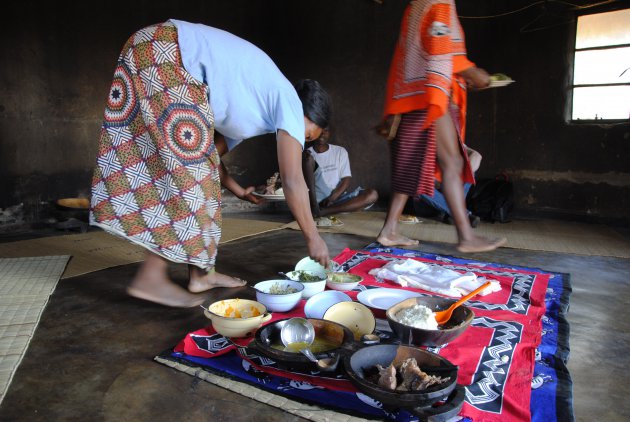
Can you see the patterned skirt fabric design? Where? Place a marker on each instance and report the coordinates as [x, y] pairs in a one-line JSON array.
[[413, 154], [156, 180]]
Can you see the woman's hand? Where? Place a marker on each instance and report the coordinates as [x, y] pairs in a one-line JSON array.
[[248, 195], [296, 194], [476, 78], [317, 250]]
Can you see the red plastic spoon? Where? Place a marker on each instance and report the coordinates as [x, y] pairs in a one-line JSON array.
[[442, 317]]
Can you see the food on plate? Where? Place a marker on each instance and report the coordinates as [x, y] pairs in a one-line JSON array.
[[272, 187], [305, 276], [408, 219], [417, 316], [280, 289], [319, 345], [340, 277], [407, 377], [330, 221], [232, 309], [500, 77]]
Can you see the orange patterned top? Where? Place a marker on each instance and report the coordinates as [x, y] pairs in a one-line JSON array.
[[429, 54]]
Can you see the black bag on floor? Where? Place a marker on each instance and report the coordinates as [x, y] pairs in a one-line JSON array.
[[492, 199]]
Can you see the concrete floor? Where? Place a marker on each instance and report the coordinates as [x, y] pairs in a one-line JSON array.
[[91, 356]]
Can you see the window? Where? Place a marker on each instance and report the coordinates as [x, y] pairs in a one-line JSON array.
[[601, 68]]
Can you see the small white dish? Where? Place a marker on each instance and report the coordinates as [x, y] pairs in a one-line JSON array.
[[498, 84], [318, 304], [309, 264], [279, 302], [383, 298], [310, 287], [343, 281], [268, 197]]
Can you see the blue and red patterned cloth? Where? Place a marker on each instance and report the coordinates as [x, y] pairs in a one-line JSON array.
[[511, 359]]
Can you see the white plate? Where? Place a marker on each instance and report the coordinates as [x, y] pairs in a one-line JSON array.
[[270, 197], [318, 304], [497, 84], [384, 298]]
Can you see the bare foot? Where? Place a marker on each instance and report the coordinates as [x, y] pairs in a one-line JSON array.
[[201, 282], [164, 293], [480, 244], [396, 240]]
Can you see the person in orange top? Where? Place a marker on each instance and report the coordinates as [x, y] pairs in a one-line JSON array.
[[427, 83]]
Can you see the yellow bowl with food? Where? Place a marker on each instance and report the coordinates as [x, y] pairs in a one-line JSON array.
[[343, 281], [237, 317]]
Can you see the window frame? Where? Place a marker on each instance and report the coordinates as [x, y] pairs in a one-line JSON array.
[[571, 76]]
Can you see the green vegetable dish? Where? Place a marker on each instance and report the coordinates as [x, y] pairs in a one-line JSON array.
[[500, 77], [305, 277]]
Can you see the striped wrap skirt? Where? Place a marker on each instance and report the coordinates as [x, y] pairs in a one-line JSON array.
[[414, 154], [156, 180]]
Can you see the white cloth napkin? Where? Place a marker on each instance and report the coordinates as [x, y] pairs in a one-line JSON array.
[[434, 278]]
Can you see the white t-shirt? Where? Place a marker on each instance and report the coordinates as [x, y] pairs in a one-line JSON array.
[[248, 94], [333, 165]]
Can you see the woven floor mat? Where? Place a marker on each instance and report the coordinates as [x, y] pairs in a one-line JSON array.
[[94, 251], [306, 411], [544, 235], [25, 286]]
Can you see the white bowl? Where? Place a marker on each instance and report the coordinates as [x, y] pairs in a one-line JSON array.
[[279, 302], [310, 287], [343, 281], [317, 305], [308, 264]]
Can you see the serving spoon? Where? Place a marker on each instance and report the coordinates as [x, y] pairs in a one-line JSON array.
[[299, 334], [442, 317]]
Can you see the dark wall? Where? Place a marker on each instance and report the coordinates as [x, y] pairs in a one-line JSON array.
[[58, 59], [559, 168]]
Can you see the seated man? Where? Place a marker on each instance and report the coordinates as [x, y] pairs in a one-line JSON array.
[[438, 203], [327, 173]]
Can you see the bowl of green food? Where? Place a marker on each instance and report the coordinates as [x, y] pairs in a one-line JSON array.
[[312, 280], [338, 280]]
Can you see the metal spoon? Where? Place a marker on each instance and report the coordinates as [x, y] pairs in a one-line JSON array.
[[299, 331], [442, 317]]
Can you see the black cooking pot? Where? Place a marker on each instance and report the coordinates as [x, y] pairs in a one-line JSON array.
[[421, 403], [338, 336]]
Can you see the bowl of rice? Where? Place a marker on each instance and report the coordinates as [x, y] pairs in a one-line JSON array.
[[279, 295], [413, 321]]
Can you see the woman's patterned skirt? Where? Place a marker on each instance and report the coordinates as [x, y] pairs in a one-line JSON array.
[[156, 181]]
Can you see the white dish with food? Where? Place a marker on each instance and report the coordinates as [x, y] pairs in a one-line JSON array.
[[314, 281], [271, 197], [498, 84], [343, 281], [318, 304], [279, 295]]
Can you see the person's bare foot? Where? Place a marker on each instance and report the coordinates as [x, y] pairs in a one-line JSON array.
[[164, 293], [200, 282], [480, 244], [396, 240]]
